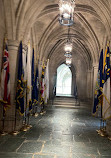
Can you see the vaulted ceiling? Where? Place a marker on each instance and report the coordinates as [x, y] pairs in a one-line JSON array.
[[91, 29], [37, 21]]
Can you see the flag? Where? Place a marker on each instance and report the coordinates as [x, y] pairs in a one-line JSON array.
[[32, 79], [24, 57], [42, 86], [99, 85], [106, 110], [29, 102], [46, 80], [36, 87], [5, 79], [20, 84]]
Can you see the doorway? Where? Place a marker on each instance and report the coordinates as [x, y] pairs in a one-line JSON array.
[[64, 81]]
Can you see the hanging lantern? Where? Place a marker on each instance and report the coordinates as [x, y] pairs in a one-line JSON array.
[[68, 47], [68, 61], [68, 55], [66, 8]]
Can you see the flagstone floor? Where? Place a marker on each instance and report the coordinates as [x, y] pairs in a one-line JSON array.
[[63, 132]]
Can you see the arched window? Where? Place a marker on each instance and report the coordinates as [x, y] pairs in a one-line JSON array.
[[64, 80]]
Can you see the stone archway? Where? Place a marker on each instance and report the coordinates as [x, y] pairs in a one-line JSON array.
[[64, 80]]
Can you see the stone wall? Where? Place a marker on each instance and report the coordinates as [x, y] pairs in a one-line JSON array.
[[38, 22]]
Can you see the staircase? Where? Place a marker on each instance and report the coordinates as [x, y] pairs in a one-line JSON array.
[[64, 101]]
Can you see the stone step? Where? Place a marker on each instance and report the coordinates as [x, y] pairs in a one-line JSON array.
[[68, 103], [66, 99], [67, 106]]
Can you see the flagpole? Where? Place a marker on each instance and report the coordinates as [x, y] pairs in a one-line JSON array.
[[24, 128], [3, 133], [15, 123], [101, 122], [3, 120], [15, 132], [28, 121], [28, 115], [24, 122], [102, 132]]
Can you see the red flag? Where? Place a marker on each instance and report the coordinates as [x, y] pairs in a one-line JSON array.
[[5, 79]]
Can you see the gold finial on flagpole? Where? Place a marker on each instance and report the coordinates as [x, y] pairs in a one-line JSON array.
[[43, 62], [5, 37], [33, 45], [28, 41], [37, 57], [5, 41], [21, 38], [102, 45], [46, 60], [108, 42]]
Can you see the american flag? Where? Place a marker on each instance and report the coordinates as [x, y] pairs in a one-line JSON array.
[[5, 79]]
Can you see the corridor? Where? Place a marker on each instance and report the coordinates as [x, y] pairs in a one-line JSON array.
[[66, 130]]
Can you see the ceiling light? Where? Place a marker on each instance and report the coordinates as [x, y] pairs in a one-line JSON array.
[[66, 8]]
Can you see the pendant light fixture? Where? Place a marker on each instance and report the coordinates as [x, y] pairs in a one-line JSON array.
[[66, 8], [68, 49]]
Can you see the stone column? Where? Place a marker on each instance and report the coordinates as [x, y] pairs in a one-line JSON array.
[[73, 83], [89, 84], [13, 58], [95, 71], [108, 127]]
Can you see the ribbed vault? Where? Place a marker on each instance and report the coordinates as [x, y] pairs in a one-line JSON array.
[[37, 20], [91, 20]]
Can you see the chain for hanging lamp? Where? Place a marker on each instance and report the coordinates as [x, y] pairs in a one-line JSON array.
[[68, 45]]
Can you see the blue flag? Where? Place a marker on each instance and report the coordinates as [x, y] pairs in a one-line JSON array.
[[32, 80], [106, 108], [106, 73], [35, 88], [20, 84], [99, 85], [36, 83]]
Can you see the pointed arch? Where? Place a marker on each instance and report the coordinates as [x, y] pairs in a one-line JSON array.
[[64, 80]]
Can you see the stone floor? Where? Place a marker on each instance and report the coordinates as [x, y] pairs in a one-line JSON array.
[[63, 132]]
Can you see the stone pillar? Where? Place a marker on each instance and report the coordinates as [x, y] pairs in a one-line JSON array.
[[73, 84], [89, 84], [52, 81], [13, 58], [108, 127], [95, 71]]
